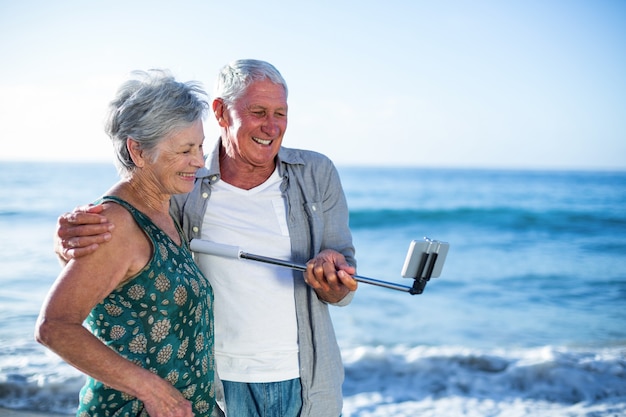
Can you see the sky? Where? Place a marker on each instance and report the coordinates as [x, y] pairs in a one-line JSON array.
[[520, 84]]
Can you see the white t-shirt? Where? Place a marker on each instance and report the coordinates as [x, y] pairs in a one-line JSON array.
[[256, 337]]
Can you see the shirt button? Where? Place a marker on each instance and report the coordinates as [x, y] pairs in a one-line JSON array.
[[205, 195], [195, 229]]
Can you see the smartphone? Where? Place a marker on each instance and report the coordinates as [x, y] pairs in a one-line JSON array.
[[425, 259]]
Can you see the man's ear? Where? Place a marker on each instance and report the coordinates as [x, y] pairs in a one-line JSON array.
[[219, 110], [135, 152]]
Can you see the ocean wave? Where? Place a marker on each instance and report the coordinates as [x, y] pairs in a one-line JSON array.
[[12, 217], [38, 381], [439, 379], [498, 218], [549, 374]]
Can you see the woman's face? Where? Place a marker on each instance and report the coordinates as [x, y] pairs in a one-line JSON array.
[[178, 157]]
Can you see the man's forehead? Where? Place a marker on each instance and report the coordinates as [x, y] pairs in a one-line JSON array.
[[264, 98]]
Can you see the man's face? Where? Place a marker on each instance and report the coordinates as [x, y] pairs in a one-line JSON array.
[[255, 124]]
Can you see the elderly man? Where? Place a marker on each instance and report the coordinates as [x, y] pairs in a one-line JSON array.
[[275, 346]]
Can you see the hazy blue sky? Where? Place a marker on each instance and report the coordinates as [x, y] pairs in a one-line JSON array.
[[519, 84]]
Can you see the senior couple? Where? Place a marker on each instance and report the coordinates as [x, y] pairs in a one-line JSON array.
[[166, 336]]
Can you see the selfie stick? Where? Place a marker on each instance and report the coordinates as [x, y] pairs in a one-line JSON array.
[[229, 251]]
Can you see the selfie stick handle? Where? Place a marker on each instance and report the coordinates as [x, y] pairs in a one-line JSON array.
[[228, 251]]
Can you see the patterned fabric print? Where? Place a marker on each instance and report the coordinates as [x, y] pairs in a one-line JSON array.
[[162, 320]]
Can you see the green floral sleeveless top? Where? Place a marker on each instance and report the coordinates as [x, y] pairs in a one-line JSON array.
[[162, 320]]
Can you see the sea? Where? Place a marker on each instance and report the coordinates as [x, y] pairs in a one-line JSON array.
[[527, 318]]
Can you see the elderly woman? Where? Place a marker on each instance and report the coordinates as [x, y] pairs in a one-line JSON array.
[[137, 316]]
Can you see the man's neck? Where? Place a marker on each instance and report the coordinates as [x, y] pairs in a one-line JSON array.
[[244, 176]]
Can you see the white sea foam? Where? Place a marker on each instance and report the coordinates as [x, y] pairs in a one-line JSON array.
[[406, 381], [435, 381]]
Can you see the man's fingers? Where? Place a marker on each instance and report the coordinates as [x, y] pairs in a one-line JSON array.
[[314, 270], [83, 236], [323, 275], [347, 280], [83, 215], [330, 275], [78, 252], [77, 217], [98, 231]]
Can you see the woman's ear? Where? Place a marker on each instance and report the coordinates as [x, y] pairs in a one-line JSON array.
[[135, 152]]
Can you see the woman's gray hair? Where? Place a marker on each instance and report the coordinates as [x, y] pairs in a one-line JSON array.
[[147, 108], [234, 78]]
